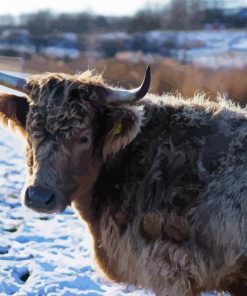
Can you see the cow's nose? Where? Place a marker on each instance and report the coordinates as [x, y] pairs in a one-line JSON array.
[[39, 198]]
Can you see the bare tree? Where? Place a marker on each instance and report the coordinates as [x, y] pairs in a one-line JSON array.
[[179, 14]]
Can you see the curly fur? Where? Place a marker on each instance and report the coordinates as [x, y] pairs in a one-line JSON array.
[[164, 198]]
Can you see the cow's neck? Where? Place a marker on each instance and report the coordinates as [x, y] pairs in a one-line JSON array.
[[123, 173]]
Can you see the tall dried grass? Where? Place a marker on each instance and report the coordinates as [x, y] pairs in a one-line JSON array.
[[167, 75]]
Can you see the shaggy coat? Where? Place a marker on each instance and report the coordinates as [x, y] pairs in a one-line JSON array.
[[161, 183]]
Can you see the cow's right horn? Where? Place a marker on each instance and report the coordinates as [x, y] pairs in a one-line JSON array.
[[130, 96], [13, 82]]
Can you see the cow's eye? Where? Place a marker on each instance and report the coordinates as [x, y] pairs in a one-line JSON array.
[[83, 140]]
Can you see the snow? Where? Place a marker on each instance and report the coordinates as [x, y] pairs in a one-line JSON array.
[[40, 255], [221, 50], [61, 52], [216, 49]]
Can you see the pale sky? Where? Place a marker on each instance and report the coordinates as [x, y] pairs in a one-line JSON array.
[[106, 7]]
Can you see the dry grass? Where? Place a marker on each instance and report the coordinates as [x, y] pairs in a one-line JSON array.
[[167, 75]]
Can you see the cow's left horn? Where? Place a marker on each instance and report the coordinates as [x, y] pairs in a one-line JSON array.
[[123, 95], [13, 82]]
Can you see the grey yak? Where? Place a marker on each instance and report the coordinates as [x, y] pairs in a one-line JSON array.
[[161, 181]]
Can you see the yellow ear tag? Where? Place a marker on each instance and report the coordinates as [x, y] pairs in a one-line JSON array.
[[118, 128]]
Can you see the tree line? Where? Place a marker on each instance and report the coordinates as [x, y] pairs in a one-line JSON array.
[[178, 15]]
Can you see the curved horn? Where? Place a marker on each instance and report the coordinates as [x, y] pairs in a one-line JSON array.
[[123, 95], [13, 82]]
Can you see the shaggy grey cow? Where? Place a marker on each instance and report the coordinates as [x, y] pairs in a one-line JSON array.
[[160, 181]]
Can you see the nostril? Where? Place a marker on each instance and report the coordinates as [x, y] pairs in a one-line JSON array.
[[50, 199], [28, 198]]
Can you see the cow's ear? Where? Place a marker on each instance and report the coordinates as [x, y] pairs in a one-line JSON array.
[[123, 125], [13, 111]]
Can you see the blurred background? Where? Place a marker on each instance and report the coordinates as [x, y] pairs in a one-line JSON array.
[[191, 45]]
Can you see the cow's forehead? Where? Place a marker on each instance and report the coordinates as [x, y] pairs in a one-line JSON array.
[[47, 87], [53, 120], [52, 114]]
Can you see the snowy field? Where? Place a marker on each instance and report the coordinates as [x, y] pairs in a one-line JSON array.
[[220, 49], [42, 254], [214, 49]]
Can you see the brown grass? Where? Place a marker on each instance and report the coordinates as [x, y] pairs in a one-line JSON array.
[[167, 75]]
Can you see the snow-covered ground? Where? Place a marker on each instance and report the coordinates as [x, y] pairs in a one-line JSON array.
[[220, 49], [216, 49], [42, 255]]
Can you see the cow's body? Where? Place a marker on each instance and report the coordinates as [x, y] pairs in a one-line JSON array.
[[163, 191], [169, 211]]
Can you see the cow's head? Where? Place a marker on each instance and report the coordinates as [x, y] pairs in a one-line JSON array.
[[71, 125]]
